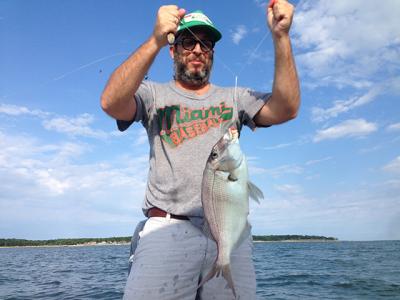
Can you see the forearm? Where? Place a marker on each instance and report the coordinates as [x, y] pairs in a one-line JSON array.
[[117, 99], [284, 102], [285, 99]]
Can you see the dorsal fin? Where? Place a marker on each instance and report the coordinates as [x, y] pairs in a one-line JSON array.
[[254, 192]]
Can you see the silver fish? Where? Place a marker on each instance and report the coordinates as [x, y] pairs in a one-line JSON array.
[[225, 198]]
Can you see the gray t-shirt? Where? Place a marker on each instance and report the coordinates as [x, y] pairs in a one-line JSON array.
[[182, 128]]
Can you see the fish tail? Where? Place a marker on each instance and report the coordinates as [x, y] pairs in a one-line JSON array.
[[214, 271], [225, 270], [227, 274]]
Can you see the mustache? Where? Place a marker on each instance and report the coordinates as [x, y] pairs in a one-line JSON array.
[[197, 58]]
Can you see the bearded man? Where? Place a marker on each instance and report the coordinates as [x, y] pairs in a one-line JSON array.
[[184, 118]]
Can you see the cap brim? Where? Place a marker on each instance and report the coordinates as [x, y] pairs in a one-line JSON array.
[[210, 30]]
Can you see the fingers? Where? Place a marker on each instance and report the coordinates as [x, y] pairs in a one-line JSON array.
[[271, 3], [170, 16], [280, 15], [168, 19], [280, 9]]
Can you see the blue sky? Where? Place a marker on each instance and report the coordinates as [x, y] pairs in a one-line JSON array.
[[65, 171]]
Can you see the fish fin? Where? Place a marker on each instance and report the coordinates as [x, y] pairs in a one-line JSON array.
[[254, 192], [216, 271], [227, 274]]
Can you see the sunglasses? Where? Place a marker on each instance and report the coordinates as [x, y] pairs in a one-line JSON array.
[[190, 43]]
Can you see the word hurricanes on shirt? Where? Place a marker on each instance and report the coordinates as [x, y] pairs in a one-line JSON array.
[[178, 123]]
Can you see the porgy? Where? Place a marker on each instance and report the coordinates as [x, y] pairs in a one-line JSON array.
[[225, 197]]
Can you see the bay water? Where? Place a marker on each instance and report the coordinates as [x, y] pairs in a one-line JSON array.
[[285, 270]]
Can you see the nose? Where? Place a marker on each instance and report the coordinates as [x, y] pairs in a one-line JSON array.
[[197, 47]]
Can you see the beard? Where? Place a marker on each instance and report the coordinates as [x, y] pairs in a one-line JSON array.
[[192, 78]]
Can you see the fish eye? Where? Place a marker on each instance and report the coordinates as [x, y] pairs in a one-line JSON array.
[[214, 154]]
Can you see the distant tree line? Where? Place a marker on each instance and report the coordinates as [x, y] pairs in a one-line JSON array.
[[291, 237], [119, 240], [62, 242]]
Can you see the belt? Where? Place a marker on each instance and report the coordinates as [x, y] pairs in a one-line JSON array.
[[156, 212]]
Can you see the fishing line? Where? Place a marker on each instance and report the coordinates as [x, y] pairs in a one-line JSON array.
[[235, 75]]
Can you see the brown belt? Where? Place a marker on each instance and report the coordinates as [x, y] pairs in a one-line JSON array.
[[156, 212]]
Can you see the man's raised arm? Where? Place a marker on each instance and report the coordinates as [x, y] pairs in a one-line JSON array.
[[285, 99], [117, 99]]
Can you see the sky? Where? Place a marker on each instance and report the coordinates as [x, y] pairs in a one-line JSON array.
[[66, 171]]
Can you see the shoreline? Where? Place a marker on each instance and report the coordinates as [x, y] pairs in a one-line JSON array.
[[126, 240], [68, 246], [91, 244], [299, 241]]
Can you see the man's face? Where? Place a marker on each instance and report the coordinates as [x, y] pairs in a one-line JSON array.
[[193, 58]]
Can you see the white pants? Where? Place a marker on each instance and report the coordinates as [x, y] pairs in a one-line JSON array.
[[173, 256]]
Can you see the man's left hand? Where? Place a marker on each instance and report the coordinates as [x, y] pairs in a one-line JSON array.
[[279, 17]]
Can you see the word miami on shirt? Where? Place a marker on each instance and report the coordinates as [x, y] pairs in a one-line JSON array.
[[178, 123]]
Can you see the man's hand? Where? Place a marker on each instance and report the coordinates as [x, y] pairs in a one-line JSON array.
[[168, 18], [279, 17]]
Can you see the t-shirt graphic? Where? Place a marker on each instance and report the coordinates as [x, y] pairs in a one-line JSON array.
[[178, 123]]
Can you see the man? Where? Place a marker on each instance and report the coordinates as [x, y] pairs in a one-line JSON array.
[[184, 119]]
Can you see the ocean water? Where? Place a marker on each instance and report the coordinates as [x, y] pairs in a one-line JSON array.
[[330, 270]]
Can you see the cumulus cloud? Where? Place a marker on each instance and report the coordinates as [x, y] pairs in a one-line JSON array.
[[279, 146], [393, 127], [317, 161], [347, 41], [349, 128], [76, 126], [15, 110], [141, 138], [72, 126], [40, 178], [284, 170], [238, 34], [319, 114], [289, 189], [393, 166], [352, 214]]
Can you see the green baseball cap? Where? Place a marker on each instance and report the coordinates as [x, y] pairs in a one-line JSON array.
[[199, 20]]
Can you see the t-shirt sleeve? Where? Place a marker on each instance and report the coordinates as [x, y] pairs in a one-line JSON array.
[[144, 101], [249, 103]]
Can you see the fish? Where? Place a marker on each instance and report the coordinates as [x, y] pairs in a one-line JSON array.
[[225, 194]]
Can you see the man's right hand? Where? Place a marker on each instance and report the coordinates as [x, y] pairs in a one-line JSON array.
[[168, 18]]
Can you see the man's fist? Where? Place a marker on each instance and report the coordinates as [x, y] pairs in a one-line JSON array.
[[168, 18], [279, 17]]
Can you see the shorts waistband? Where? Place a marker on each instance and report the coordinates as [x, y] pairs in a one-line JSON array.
[[157, 212]]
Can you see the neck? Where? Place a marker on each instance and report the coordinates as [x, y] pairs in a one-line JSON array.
[[199, 90]]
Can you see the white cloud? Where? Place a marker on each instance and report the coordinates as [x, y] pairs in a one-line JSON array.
[[353, 214], [283, 170], [393, 166], [341, 106], [38, 178], [347, 41], [238, 34], [289, 189], [317, 161], [141, 138], [73, 126], [349, 128], [78, 126], [15, 110], [393, 127], [279, 146]]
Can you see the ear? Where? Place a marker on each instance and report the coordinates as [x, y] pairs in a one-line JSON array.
[[171, 51]]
